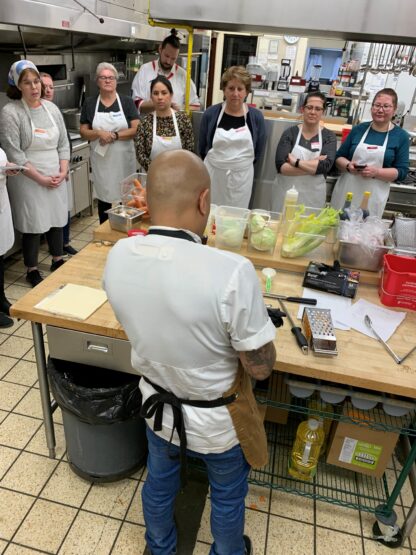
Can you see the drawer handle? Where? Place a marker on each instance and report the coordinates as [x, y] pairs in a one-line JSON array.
[[100, 348]]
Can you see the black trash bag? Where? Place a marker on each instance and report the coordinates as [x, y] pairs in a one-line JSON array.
[[95, 395]]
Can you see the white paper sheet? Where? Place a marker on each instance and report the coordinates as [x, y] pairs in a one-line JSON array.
[[384, 321], [73, 301], [336, 303]]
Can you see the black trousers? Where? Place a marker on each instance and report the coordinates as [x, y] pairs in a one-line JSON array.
[[31, 241], [102, 207], [2, 295]]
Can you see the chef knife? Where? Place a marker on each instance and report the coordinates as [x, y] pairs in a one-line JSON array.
[[297, 332], [299, 300]]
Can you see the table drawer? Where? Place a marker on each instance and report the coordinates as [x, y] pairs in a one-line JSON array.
[[88, 348]]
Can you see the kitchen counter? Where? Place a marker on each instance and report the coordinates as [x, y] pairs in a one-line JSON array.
[[352, 367]]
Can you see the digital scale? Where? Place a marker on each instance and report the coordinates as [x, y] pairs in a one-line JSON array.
[[285, 69]]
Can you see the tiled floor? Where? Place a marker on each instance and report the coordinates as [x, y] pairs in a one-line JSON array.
[[46, 508]]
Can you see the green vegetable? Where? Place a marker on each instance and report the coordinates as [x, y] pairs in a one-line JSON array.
[[263, 240], [257, 223], [306, 233], [230, 233]]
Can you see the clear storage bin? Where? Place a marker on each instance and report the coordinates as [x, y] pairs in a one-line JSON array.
[[230, 224], [263, 228], [304, 237], [128, 186]]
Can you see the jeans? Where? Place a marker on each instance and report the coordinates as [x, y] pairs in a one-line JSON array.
[[227, 474]]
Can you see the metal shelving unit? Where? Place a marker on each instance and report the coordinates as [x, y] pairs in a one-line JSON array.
[[331, 484]]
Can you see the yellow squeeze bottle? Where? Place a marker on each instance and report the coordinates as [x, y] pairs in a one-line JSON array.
[[303, 460], [290, 202]]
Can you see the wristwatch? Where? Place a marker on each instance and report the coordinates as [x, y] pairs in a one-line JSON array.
[[116, 134], [347, 167], [297, 163]]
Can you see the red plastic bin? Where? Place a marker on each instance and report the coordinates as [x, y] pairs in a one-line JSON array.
[[398, 281]]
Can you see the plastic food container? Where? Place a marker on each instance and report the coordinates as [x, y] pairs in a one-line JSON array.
[[210, 227], [296, 243], [353, 255], [124, 218], [127, 186], [263, 228], [230, 224], [398, 282]]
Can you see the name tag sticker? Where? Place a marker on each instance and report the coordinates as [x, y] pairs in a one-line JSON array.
[[41, 133], [166, 139], [315, 146], [373, 147], [240, 129]]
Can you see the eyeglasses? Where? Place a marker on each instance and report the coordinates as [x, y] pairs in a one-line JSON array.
[[104, 78], [382, 106], [313, 108]]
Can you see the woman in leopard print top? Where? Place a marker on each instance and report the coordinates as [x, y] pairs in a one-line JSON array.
[[164, 129]]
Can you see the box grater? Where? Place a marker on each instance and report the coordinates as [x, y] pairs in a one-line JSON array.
[[319, 331]]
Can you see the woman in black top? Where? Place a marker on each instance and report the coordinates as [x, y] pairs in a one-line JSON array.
[[109, 122], [304, 156]]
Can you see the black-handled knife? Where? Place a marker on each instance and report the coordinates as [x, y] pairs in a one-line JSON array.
[[299, 300], [296, 330]]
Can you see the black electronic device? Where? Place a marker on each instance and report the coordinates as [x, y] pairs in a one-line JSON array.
[[313, 85], [285, 69], [332, 279]]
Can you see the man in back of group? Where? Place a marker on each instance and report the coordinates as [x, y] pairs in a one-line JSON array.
[[166, 65], [199, 332]]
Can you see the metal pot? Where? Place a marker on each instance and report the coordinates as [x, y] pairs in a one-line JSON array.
[[72, 118]]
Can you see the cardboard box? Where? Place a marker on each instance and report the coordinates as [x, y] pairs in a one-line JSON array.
[[277, 391], [361, 449]]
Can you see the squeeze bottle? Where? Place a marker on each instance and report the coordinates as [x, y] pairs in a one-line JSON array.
[[291, 200]]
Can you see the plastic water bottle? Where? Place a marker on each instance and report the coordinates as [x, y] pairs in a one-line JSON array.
[[290, 202], [303, 460]]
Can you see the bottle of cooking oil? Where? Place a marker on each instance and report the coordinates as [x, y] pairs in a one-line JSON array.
[[305, 453], [325, 423]]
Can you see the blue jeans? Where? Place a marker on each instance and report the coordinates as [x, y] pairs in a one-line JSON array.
[[227, 474]]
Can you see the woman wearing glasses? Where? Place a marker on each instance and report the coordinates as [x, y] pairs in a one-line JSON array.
[[109, 122], [374, 154], [304, 156]]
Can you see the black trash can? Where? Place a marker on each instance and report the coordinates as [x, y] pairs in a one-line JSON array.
[[105, 436]]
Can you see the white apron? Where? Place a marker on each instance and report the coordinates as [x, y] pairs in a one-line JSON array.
[[311, 188], [111, 163], [69, 192], [162, 144], [230, 165], [372, 155], [35, 208], [6, 224]]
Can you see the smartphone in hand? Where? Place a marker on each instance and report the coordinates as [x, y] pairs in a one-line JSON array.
[[360, 167]]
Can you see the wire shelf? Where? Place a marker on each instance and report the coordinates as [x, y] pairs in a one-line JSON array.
[[331, 484], [376, 418]]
